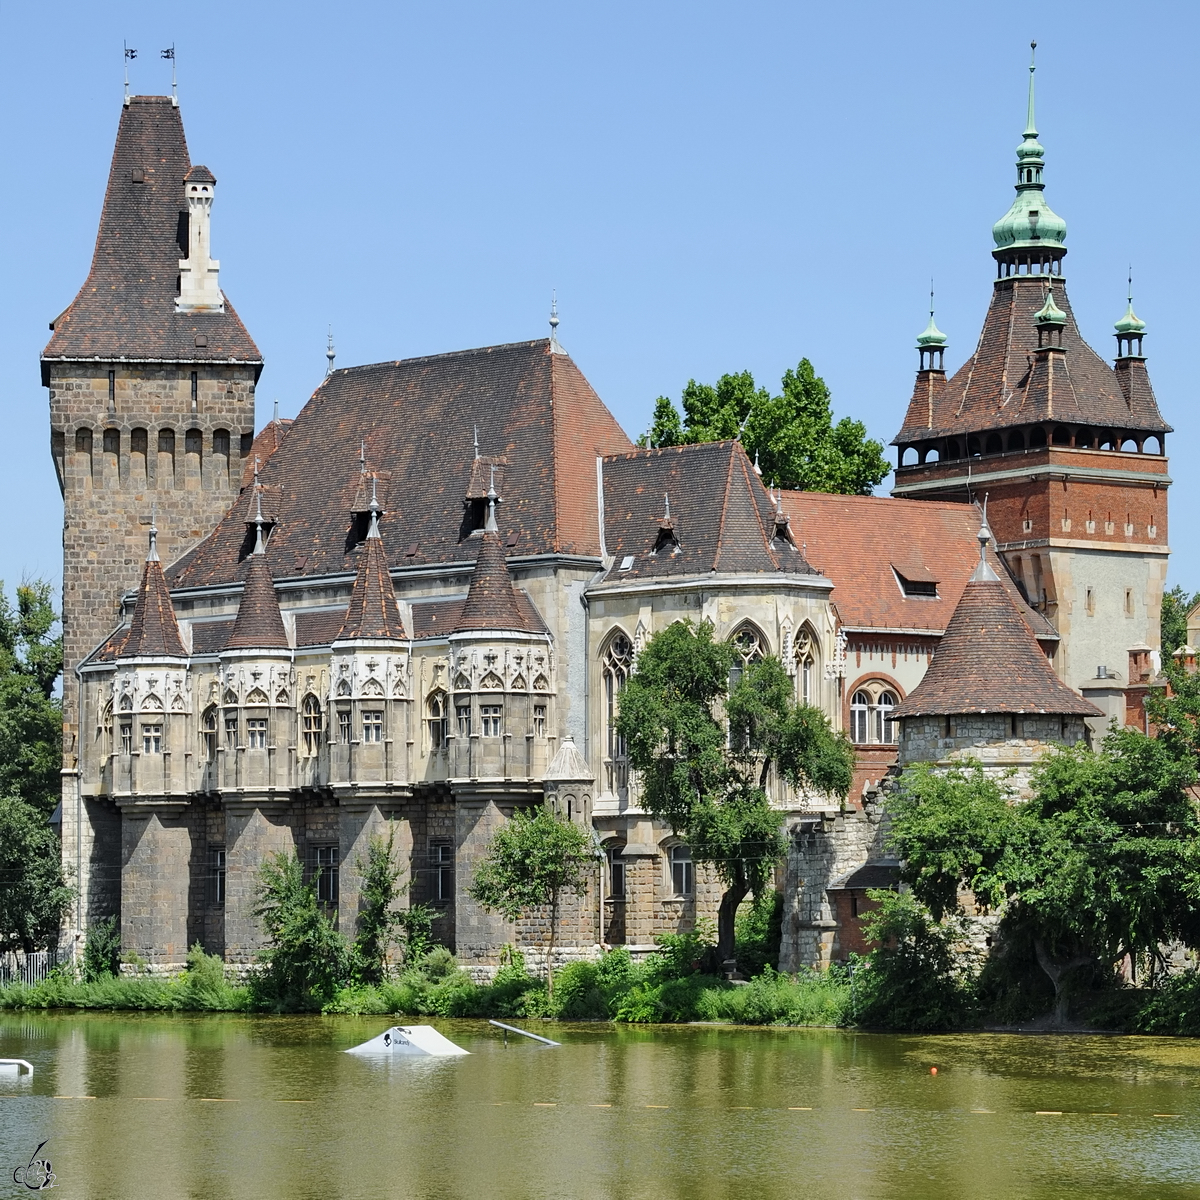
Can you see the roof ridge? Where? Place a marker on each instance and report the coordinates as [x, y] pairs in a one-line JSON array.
[[440, 355]]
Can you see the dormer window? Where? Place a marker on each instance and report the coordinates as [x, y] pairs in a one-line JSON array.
[[916, 583]]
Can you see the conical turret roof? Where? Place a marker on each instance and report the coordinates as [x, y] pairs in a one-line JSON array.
[[154, 631], [492, 602], [373, 611], [259, 623], [988, 661]]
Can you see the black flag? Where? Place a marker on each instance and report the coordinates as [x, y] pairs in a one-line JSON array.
[[169, 53]]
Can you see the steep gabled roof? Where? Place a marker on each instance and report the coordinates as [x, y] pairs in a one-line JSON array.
[[373, 612], [153, 631], [417, 417], [864, 542], [989, 661], [259, 623], [492, 602], [126, 307], [991, 389], [721, 518]]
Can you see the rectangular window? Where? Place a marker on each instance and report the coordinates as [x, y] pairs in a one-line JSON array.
[[231, 731], [325, 861], [1090, 603], [1129, 602], [151, 739], [682, 878], [441, 859], [344, 725], [490, 715], [126, 737], [463, 712], [256, 733], [313, 720], [539, 720], [372, 727], [217, 873], [616, 873]]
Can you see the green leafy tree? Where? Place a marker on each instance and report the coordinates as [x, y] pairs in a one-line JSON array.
[[34, 896], [705, 753], [532, 862], [1102, 861], [1176, 604], [380, 924], [793, 435], [305, 960]]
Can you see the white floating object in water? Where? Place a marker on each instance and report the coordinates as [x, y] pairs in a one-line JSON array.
[[420, 1040], [11, 1067]]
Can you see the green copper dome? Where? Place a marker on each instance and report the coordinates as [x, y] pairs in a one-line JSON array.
[[1030, 222], [1130, 322], [932, 337], [1050, 314]]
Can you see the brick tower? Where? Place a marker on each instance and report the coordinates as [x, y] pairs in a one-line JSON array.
[[151, 377], [1070, 452]]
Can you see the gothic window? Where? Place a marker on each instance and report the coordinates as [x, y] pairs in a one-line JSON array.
[[463, 714], [152, 739], [806, 666], [749, 646], [871, 719], [208, 732], [231, 731], [616, 872], [539, 720], [490, 716], [256, 733], [312, 721], [437, 714], [683, 879], [126, 737], [126, 704], [105, 730], [373, 726], [616, 663], [344, 725]]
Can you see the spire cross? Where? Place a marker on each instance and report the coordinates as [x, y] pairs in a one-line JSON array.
[[330, 354]]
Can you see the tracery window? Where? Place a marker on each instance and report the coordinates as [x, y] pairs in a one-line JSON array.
[[208, 732], [806, 666], [312, 724], [437, 714], [871, 719], [616, 663], [749, 646]]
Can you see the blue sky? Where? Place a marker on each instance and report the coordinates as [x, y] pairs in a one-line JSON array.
[[710, 188]]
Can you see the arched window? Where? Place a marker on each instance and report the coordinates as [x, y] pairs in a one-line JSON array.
[[860, 708], [1016, 440], [1037, 437], [806, 666], [871, 719], [208, 732], [749, 646], [312, 724], [615, 665], [883, 723], [437, 716], [104, 731], [994, 445]]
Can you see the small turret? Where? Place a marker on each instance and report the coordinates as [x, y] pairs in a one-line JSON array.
[[199, 289], [154, 630], [1130, 330]]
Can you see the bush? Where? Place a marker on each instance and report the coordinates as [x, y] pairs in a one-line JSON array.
[[759, 931], [102, 950], [1174, 1008], [915, 982]]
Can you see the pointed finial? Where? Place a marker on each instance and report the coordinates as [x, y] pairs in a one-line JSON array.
[[476, 441], [931, 339], [667, 506], [983, 572], [373, 508], [1030, 130], [1130, 327], [257, 460], [259, 544], [757, 468], [490, 526], [330, 354], [152, 553], [275, 418], [362, 456], [554, 345]]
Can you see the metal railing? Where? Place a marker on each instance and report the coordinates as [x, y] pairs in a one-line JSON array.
[[27, 968]]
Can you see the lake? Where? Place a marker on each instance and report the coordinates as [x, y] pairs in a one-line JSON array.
[[219, 1107]]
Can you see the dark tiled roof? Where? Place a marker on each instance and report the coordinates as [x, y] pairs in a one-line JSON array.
[[209, 637], [259, 624], [492, 602], [437, 618], [153, 631], [721, 517], [126, 308], [991, 389], [199, 174], [318, 628], [532, 407], [373, 612], [268, 439], [858, 540], [989, 661], [885, 873]]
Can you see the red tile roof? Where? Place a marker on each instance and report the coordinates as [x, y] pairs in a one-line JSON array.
[[533, 408], [259, 623], [991, 389], [153, 631], [861, 542], [989, 661], [126, 307], [268, 439]]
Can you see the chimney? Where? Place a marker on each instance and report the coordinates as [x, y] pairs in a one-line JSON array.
[[199, 290]]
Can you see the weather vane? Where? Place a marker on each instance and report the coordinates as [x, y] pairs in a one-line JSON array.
[[130, 55], [169, 53]]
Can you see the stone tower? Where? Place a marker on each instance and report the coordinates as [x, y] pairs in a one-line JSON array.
[[1069, 451], [151, 377]]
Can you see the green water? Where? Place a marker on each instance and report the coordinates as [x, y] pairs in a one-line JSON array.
[[215, 1107]]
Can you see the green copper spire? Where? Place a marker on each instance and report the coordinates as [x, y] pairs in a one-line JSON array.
[[931, 343], [1130, 323], [1050, 315], [1030, 227]]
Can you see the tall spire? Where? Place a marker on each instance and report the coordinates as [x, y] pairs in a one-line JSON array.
[[373, 612], [931, 342], [1130, 328], [330, 354], [1029, 237], [555, 348], [153, 630]]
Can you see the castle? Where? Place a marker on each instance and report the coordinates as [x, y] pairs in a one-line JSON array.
[[416, 605]]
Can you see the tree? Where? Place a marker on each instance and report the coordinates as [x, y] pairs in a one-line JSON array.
[[305, 960], [705, 771], [1177, 602], [380, 924], [531, 862], [34, 896], [793, 434], [1103, 861]]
